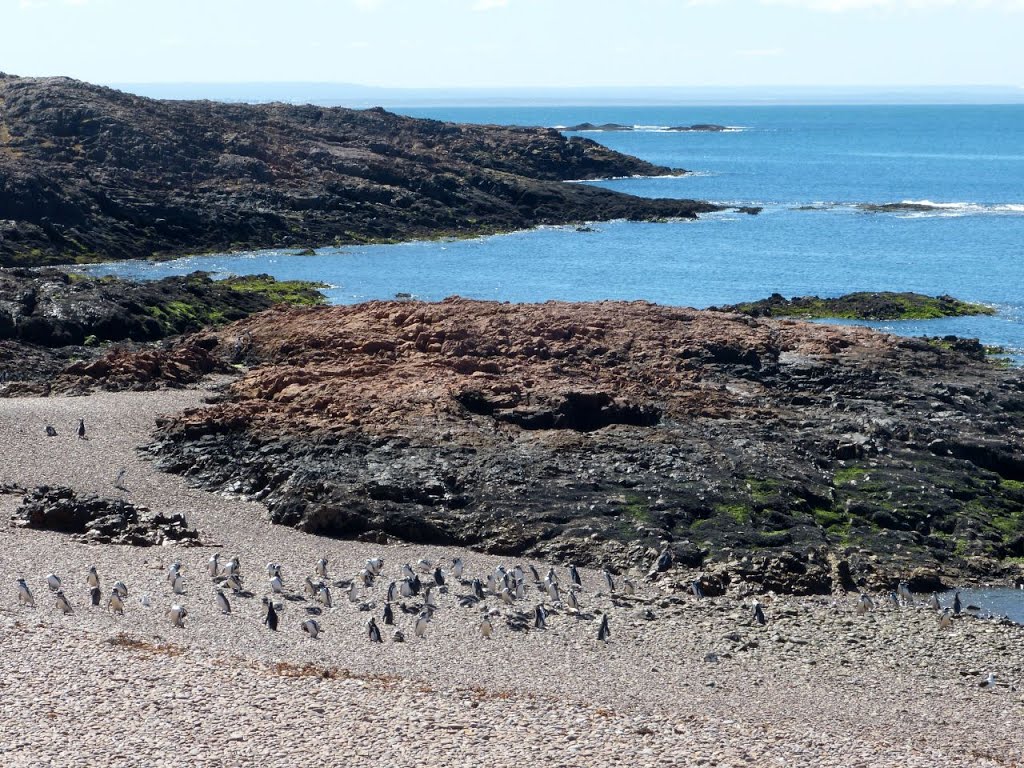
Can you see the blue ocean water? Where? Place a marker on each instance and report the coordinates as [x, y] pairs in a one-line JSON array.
[[809, 166]]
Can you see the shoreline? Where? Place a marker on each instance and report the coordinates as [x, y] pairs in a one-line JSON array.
[[698, 681]]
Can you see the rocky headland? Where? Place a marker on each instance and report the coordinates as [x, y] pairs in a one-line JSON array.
[[878, 305], [90, 173], [785, 455]]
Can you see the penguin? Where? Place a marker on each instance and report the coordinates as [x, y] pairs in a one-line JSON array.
[[25, 594], [312, 628], [420, 628], [945, 621], [91, 577], [416, 584], [429, 600], [173, 572], [366, 578], [424, 565], [375, 565], [759, 614], [628, 587], [392, 591], [271, 618], [933, 602], [904, 593], [572, 601], [540, 618], [276, 585], [518, 574], [373, 631], [233, 567], [406, 588], [234, 583], [534, 574], [697, 589], [486, 628], [176, 615], [273, 569], [457, 567], [179, 585], [213, 566], [94, 595], [118, 481], [407, 571], [50, 431], [389, 615], [609, 580], [81, 429], [552, 576], [664, 561], [989, 682], [309, 587], [120, 589], [574, 575], [492, 584], [115, 603], [222, 602], [957, 606], [53, 582], [603, 633], [398, 637], [864, 604], [520, 591], [62, 603], [353, 592], [323, 596], [145, 601], [478, 589], [321, 567], [438, 577]]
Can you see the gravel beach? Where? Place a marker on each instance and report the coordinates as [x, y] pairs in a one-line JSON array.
[[681, 681]]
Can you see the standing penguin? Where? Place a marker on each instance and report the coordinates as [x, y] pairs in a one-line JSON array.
[[373, 631], [222, 602], [457, 566], [178, 585], [628, 587], [945, 621], [603, 633], [176, 615], [94, 595], [933, 602], [389, 615], [572, 602], [759, 614], [574, 575], [321, 568], [486, 628], [609, 580], [81, 429], [271, 617], [540, 618], [957, 606], [323, 596], [120, 589], [25, 594], [115, 604], [213, 566], [91, 577], [53, 582], [62, 603], [420, 628], [276, 584], [438, 577]]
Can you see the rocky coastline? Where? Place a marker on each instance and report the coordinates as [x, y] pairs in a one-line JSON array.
[[789, 456], [89, 173], [877, 305]]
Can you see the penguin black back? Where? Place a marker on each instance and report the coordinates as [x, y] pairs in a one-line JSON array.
[[271, 620]]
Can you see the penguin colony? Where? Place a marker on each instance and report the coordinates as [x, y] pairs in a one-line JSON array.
[[517, 598]]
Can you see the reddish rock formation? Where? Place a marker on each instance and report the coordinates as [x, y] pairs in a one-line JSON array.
[[594, 431]]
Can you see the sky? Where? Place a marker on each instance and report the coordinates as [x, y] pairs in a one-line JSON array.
[[520, 43]]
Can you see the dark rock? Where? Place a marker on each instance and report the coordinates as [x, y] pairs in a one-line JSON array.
[[90, 173], [98, 519]]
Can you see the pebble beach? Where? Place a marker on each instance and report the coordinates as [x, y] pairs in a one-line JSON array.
[[681, 681]]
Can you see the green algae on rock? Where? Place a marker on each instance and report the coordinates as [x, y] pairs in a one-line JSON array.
[[862, 305]]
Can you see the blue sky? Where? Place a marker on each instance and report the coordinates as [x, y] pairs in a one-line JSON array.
[[501, 43]]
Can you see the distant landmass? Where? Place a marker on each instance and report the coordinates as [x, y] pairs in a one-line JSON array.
[[354, 95]]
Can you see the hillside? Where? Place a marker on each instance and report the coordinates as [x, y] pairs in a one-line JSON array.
[[91, 173]]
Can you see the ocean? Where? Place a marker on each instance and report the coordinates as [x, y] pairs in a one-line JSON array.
[[810, 167]]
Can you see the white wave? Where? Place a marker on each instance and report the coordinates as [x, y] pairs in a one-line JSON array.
[[634, 176]]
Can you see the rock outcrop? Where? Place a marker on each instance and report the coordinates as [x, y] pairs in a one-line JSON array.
[[92, 173], [100, 519], [877, 305], [811, 455]]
